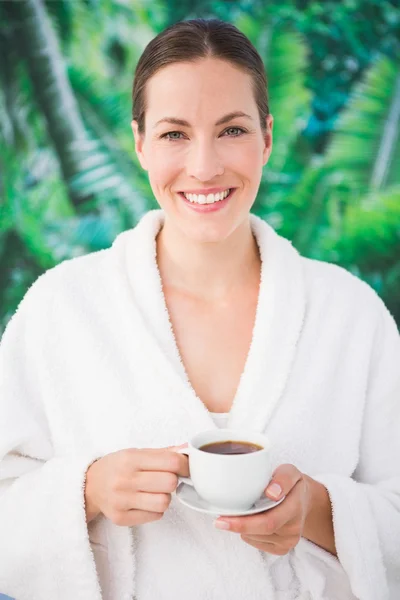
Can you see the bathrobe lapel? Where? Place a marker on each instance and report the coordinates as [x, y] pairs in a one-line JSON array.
[[279, 320], [278, 326]]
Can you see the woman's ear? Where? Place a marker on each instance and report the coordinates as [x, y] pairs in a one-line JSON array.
[[268, 139], [139, 140]]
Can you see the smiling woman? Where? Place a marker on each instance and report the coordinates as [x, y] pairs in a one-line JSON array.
[[208, 80], [200, 317], [220, 147]]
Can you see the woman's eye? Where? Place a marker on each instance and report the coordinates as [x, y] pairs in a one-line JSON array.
[[235, 130], [172, 135]]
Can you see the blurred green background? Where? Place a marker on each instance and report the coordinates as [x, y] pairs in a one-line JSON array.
[[69, 178]]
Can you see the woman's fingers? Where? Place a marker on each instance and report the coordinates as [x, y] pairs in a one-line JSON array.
[[149, 502], [157, 460], [153, 481], [266, 523], [283, 480], [133, 517], [133, 479]]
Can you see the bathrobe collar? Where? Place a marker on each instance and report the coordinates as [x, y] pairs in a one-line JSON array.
[[278, 325]]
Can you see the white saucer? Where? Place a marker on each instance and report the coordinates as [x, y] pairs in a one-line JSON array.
[[189, 497]]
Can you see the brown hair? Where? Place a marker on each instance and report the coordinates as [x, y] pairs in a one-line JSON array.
[[194, 39]]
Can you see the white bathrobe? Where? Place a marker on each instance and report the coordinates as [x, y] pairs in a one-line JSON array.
[[89, 365]]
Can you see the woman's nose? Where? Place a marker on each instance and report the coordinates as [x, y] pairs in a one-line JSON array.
[[203, 161]]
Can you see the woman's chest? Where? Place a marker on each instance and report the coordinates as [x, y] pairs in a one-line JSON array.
[[213, 344]]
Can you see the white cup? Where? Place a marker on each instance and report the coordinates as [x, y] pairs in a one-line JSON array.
[[228, 481]]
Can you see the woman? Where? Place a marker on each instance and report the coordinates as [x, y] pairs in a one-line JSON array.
[[200, 316]]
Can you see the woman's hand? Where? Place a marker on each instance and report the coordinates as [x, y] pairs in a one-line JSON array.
[[279, 529], [133, 486]]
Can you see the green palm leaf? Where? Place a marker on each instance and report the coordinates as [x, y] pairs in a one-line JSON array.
[[304, 208], [370, 232], [286, 62], [111, 163], [366, 145]]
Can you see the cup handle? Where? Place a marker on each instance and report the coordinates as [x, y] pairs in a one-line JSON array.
[[184, 479]]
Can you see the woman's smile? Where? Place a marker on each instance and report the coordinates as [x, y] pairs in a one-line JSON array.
[[203, 203]]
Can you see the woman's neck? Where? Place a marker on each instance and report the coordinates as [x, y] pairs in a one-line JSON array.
[[209, 271]]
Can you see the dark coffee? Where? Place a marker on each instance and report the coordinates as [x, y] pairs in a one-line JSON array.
[[230, 447]]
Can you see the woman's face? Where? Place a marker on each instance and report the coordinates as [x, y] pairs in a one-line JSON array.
[[193, 144]]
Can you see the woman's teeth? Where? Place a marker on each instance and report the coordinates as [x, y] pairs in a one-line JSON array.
[[209, 199]]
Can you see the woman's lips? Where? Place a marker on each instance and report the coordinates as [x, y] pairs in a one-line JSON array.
[[205, 208]]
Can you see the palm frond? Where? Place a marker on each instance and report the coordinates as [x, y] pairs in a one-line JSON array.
[[286, 62], [304, 208], [362, 143], [387, 164], [370, 232]]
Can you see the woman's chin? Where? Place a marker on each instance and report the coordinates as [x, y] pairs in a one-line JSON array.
[[208, 233], [204, 227]]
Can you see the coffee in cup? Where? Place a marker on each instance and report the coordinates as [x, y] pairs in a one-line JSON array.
[[230, 447], [229, 469]]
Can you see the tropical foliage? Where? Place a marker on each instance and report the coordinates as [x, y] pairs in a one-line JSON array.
[[69, 179]]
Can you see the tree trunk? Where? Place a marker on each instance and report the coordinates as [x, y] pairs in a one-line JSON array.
[[385, 158], [38, 46]]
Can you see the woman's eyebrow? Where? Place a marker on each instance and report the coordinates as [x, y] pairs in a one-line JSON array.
[[221, 121]]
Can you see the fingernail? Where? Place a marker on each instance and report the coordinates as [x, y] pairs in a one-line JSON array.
[[222, 525], [274, 490]]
